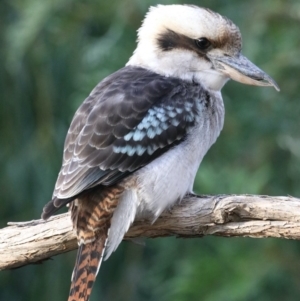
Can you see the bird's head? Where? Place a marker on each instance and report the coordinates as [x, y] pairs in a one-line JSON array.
[[195, 44]]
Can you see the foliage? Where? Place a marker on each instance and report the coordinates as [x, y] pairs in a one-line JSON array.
[[52, 54]]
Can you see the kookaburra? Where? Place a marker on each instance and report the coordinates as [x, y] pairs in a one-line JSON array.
[[136, 142]]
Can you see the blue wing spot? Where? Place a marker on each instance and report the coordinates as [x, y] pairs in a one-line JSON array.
[[128, 136], [151, 133], [138, 135], [164, 126], [151, 149], [172, 114], [140, 150], [156, 121], [130, 150], [175, 122]]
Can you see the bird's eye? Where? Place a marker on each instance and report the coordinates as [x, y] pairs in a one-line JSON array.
[[203, 43]]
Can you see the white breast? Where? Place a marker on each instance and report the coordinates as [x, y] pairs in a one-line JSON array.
[[168, 178]]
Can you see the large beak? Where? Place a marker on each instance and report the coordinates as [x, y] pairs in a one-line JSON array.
[[239, 68]]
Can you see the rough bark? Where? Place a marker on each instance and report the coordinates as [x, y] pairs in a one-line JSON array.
[[223, 215]]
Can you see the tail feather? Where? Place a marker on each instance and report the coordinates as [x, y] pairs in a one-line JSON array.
[[89, 258], [91, 217]]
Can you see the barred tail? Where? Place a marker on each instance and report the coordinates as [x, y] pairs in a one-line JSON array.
[[91, 216], [89, 258]]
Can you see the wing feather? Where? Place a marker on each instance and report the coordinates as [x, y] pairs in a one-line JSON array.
[[129, 119]]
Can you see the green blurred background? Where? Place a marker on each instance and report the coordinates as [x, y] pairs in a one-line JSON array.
[[52, 54]]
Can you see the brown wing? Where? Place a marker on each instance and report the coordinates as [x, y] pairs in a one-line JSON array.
[[129, 119]]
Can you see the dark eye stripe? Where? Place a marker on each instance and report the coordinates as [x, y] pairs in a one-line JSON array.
[[169, 40]]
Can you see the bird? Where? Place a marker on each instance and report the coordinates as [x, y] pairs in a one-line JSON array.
[[136, 142]]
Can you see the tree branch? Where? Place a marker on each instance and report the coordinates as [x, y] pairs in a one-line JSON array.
[[196, 216]]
